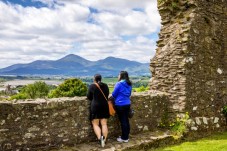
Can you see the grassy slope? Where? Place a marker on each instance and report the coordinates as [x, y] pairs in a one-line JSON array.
[[213, 143]]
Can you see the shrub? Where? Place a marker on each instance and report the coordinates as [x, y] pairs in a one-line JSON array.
[[224, 110], [69, 88], [142, 89], [19, 96], [180, 125], [37, 90]]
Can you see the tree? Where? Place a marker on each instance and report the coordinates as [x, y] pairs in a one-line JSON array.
[[37, 90], [31, 91], [69, 88]]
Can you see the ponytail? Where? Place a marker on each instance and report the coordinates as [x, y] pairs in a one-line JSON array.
[[98, 78], [124, 76]]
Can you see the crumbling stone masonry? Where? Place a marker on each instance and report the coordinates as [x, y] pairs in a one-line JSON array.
[[45, 124], [189, 74], [190, 64]]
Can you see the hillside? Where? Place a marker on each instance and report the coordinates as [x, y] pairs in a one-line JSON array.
[[73, 65]]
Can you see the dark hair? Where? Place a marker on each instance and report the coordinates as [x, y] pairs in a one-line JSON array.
[[124, 76], [97, 78]]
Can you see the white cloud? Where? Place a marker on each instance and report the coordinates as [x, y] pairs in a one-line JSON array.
[[139, 49], [30, 33]]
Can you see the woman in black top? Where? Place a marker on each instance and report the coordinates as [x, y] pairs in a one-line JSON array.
[[99, 111]]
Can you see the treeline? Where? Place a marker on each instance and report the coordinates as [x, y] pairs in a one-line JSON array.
[[69, 88]]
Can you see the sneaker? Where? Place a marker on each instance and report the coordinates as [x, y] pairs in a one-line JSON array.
[[122, 140], [102, 139]]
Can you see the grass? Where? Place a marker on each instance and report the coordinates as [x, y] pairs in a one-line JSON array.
[[111, 89], [216, 142], [110, 80]]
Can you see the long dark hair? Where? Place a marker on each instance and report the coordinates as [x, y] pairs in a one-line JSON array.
[[98, 78], [124, 76]]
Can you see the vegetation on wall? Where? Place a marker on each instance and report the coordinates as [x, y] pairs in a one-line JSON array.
[[177, 127], [180, 125], [224, 110], [171, 5]]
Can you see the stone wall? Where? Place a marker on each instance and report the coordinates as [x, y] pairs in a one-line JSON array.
[[191, 60], [44, 124], [189, 72]]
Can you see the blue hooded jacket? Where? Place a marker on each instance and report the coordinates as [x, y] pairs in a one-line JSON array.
[[122, 92]]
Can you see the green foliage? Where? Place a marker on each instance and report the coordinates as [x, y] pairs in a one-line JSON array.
[[2, 80], [180, 125], [224, 110], [69, 88], [37, 90], [216, 142], [111, 88], [161, 1], [141, 89], [139, 84], [19, 96], [110, 80], [172, 5]]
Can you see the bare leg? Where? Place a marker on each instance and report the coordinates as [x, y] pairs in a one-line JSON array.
[[104, 128], [96, 128]]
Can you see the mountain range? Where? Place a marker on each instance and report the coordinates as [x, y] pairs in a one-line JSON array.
[[73, 65]]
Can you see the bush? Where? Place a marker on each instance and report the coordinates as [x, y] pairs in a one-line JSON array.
[[37, 90], [180, 125], [69, 88], [142, 89], [19, 96]]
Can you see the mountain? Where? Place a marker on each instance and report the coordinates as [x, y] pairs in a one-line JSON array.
[[73, 65]]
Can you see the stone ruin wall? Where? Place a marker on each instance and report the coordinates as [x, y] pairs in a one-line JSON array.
[[190, 64], [188, 75], [46, 124]]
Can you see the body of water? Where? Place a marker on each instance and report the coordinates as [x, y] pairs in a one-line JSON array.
[[25, 82]]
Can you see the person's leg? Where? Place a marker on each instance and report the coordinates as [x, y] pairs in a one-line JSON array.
[[122, 112], [125, 123], [104, 128], [96, 128]]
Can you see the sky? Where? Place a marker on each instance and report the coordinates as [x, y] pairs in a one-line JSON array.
[[93, 29]]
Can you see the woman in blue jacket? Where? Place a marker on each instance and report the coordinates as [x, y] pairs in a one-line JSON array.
[[121, 94]]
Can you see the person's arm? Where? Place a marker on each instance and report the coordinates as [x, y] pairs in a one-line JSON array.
[[108, 91], [131, 91], [116, 90], [90, 93]]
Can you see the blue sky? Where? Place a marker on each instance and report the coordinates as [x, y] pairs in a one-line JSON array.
[[94, 29]]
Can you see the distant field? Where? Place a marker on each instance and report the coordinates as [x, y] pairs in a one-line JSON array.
[[111, 89], [25, 82], [137, 82], [109, 80]]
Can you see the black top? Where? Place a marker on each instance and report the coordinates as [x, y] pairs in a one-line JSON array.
[[99, 106]]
